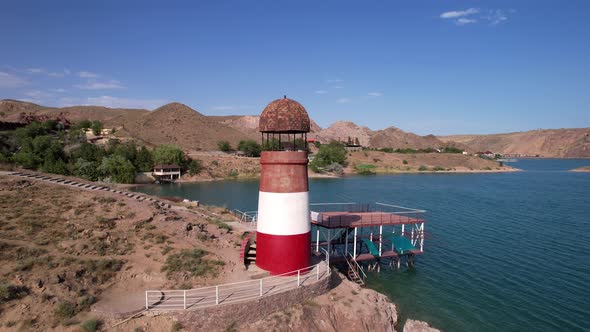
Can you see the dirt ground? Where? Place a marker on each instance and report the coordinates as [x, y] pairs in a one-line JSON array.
[[65, 251]]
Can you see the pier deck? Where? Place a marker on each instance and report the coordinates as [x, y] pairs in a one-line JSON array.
[[339, 219]]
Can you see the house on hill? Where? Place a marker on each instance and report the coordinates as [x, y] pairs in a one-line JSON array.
[[166, 172]]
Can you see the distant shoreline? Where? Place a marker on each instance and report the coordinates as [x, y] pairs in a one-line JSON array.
[[583, 169]]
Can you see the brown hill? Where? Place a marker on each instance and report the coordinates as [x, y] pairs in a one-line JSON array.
[[399, 139], [341, 130], [544, 142], [110, 116], [248, 124], [391, 137], [179, 124]]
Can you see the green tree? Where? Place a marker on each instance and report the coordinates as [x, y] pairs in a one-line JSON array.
[[88, 170], [144, 161], [88, 152], [329, 154], [250, 148], [168, 154], [84, 124], [224, 146], [96, 127], [118, 168]]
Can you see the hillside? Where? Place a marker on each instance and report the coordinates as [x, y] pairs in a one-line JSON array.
[[179, 124], [544, 142], [110, 116]]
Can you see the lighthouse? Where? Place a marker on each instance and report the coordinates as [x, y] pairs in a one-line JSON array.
[[283, 232]]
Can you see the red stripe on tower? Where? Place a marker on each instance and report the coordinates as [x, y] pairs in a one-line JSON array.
[[283, 231]]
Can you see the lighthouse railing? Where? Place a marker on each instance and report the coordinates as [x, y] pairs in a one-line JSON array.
[[190, 299]]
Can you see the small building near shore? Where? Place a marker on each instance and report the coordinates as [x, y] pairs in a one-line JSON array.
[[166, 172]]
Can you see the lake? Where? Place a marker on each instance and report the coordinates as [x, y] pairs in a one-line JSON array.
[[504, 251]]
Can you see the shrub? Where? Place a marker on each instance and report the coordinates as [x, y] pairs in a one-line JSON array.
[[194, 167], [250, 148], [86, 301], [365, 169], [176, 326], [438, 168], [422, 168], [10, 292], [224, 146], [191, 261], [65, 310], [90, 325], [405, 162]]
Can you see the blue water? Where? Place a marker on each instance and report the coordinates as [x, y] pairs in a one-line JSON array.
[[504, 252]]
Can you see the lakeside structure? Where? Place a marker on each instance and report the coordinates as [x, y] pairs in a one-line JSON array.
[[344, 233], [166, 172]]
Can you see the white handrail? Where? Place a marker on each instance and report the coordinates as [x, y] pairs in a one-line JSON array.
[[177, 299]]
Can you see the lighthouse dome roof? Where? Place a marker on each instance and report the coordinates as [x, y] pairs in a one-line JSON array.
[[284, 116]]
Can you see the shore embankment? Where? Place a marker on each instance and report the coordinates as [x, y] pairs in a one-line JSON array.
[[581, 169]]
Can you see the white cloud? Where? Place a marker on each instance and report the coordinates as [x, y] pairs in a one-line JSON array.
[[10, 81], [35, 70], [60, 90], [459, 13], [321, 92], [338, 87], [463, 21], [375, 94], [474, 15], [67, 71], [334, 81], [56, 74], [496, 16], [117, 102], [343, 100], [93, 85], [48, 73], [38, 94], [87, 74]]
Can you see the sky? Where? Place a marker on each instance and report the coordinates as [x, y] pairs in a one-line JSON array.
[[429, 67]]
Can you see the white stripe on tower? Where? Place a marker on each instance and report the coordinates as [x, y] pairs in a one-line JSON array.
[[273, 207]]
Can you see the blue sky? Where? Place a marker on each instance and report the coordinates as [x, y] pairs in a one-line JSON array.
[[440, 67]]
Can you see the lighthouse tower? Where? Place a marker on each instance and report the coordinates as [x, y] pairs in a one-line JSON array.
[[283, 233]]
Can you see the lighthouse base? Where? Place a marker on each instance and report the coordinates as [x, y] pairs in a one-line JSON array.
[[280, 254]]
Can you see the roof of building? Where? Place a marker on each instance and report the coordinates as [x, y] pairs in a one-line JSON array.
[[166, 166], [284, 116]]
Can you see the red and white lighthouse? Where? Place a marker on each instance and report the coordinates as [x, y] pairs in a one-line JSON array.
[[283, 234]]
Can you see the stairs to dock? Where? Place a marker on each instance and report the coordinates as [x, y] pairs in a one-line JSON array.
[[248, 250], [355, 272]]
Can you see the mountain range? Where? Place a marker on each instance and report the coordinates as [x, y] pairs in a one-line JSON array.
[[176, 123]]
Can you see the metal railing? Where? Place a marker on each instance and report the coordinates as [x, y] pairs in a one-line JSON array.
[[190, 299], [355, 268], [248, 216], [345, 214]]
